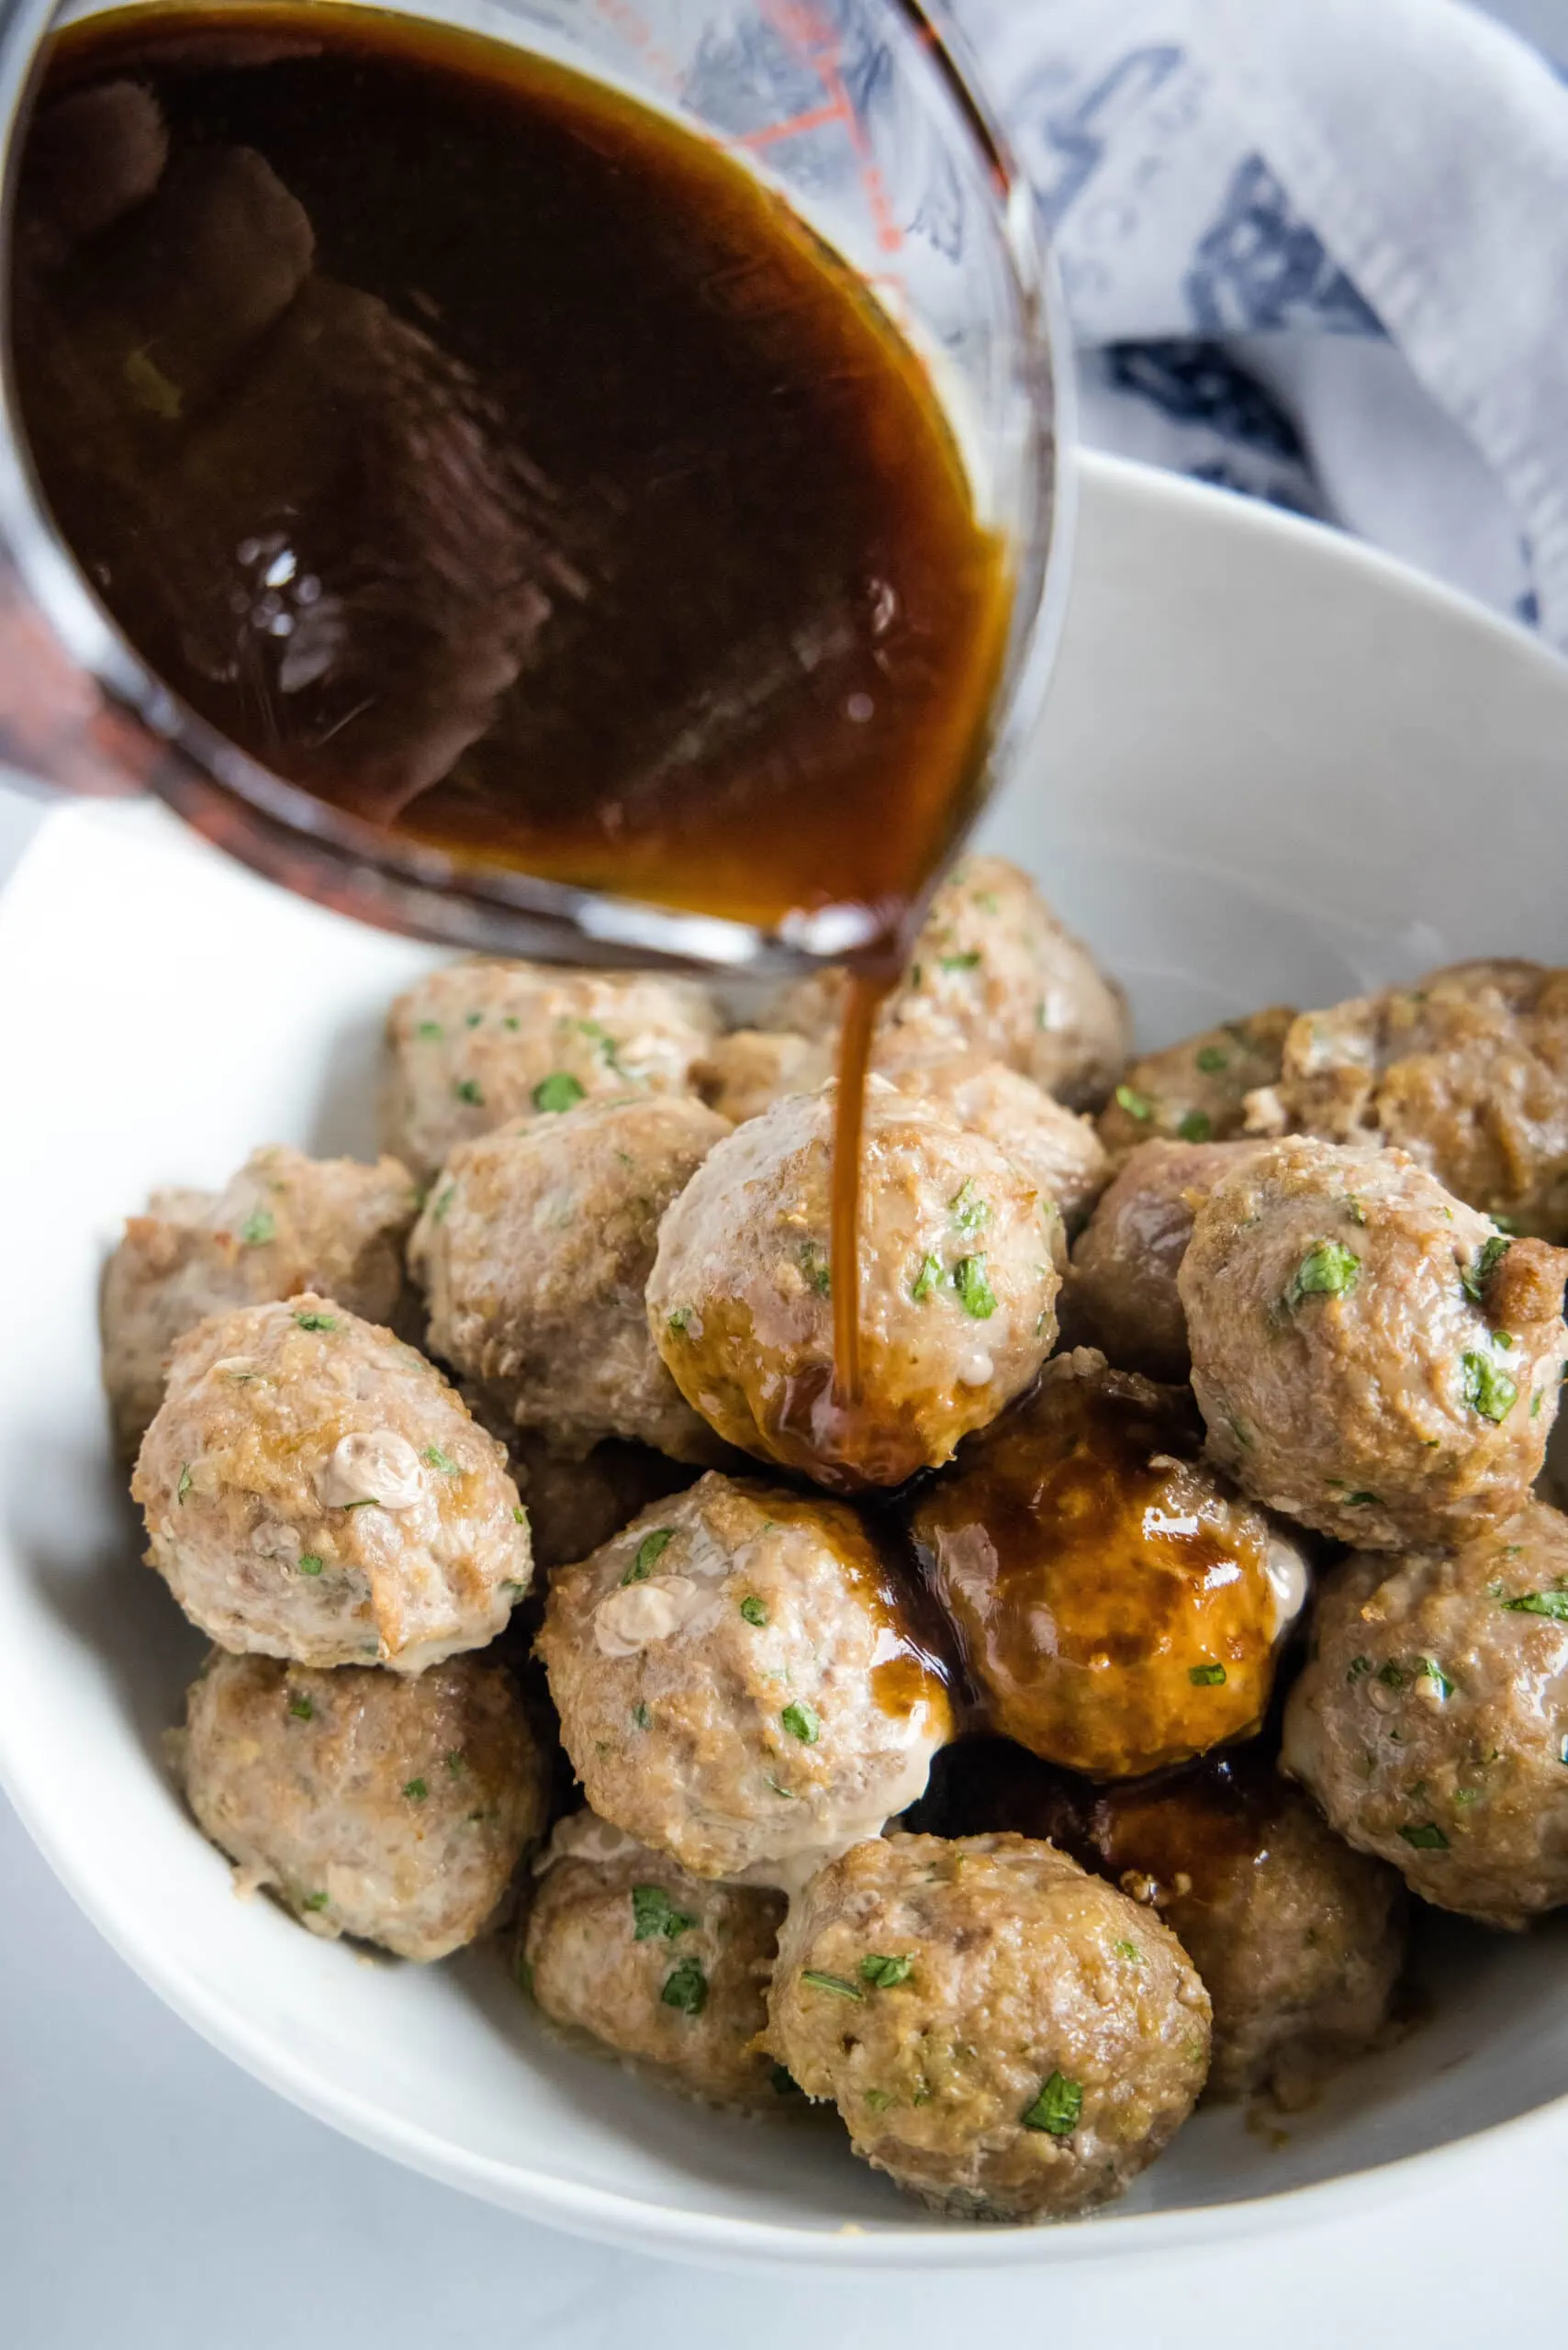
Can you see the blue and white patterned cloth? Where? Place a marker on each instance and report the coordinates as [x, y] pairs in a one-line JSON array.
[[1317, 250]]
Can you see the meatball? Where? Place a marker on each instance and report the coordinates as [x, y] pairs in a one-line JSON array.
[[742, 1682], [1431, 1722], [1467, 1071], [1120, 1291], [475, 1043], [993, 975], [575, 1504], [313, 1489], [370, 1803], [745, 1072], [1299, 1940], [1370, 1356], [1197, 1091], [1120, 1607], [284, 1224], [1058, 1149], [667, 1968], [1004, 2035], [958, 1284], [535, 1251]]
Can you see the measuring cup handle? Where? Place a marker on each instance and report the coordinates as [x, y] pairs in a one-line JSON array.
[[55, 720]]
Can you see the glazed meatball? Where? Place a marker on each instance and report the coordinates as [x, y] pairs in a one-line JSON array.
[[742, 1682], [995, 976], [1197, 1091], [957, 1284], [1431, 1722], [1299, 1940], [1006, 2036], [315, 1490], [1467, 1071], [1120, 1607], [535, 1251], [1058, 1149], [284, 1224], [370, 1803], [1370, 1356], [667, 1968], [1120, 1291], [475, 1043], [745, 1072]]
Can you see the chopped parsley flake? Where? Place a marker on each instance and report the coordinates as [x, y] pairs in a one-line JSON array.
[[429, 1030], [416, 1790], [440, 1460], [518, 1515], [1057, 2108], [656, 1917], [685, 1989], [1426, 1837], [559, 1090], [314, 1901], [1553, 1603], [1206, 1676], [316, 1320], [815, 1265], [877, 2100], [1475, 1277], [1211, 1059], [258, 1228], [965, 962], [754, 1611], [837, 1983], [1131, 1953], [802, 1721], [310, 1563], [1359, 1667], [1486, 1389], [649, 1550], [1392, 1676], [1136, 1105], [444, 1202], [1363, 1500], [641, 1716], [925, 1280], [473, 1019], [1196, 1127], [301, 1705], [469, 1089], [1429, 1669], [182, 1488], [601, 1037], [1328, 1271], [682, 1318], [884, 1971], [975, 1293], [968, 1210]]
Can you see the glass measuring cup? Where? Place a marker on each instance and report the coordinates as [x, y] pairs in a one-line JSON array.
[[858, 116]]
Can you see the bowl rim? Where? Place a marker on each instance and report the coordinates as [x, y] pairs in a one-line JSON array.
[[655, 2227]]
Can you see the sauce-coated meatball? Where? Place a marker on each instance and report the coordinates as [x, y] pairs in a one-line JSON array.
[[958, 1285], [1004, 2035], [1120, 1292], [1467, 1070], [1371, 1356], [994, 975], [1196, 1090], [315, 1490], [370, 1803], [1431, 1722], [1119, 1604], [741, 1680], [535, 1251], [475, 1044], [284, 1224], [670, 1969]]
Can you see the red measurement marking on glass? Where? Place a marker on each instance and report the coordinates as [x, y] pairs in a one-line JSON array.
[[816, 119], [816, 42], [634, 29]]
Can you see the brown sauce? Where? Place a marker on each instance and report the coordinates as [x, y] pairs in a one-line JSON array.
[[502, 464]]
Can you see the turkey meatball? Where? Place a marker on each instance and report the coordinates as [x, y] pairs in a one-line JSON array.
[[475, 1044], [1120, 1291], [1006, 2036], [313, 1489], [958, 1286], [670, 1969], [535, 1251], [372, 1805], [1197, 1091], [1467, 1071], [1120, 1606], [1371, 1356], [1431, 1722], [996, 977], [284, 1224], [742, 1682], [1058, 1149], [745, 1072], [575, 1502]]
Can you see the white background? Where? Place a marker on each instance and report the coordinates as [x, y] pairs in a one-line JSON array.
[[152, 2198]]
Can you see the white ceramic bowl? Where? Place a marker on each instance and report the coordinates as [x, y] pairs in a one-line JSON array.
[[1275, 768]]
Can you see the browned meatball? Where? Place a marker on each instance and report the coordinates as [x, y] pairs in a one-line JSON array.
[[995, 976], [475, 1044], [1120, 1291], [1004, 2035], [576, 1503], [1057, 1148], [1119, 1604], [741, 1682], [1467, 1070], [535, 1251], [284, 1224], [1371, 1356], [1431, 1722], [315, 1490], [958, 1284], [670, 1969], [745, 1072], [370, 1803], [1196, 1090]]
